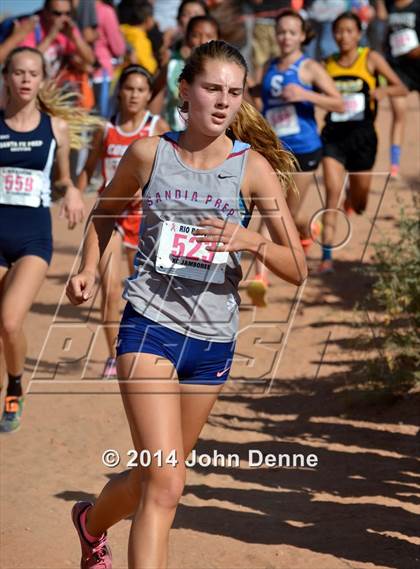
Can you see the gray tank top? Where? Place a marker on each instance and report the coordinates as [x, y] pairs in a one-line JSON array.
[[176, 282]]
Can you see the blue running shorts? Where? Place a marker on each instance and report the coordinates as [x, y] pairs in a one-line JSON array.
[[199, 362], [24, 231]]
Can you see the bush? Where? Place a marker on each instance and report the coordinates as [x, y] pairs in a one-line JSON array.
[[395, 292]]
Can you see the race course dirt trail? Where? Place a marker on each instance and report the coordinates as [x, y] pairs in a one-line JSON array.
[[291, 392]]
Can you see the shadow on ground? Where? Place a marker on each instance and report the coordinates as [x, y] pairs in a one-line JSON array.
[[359, 504]]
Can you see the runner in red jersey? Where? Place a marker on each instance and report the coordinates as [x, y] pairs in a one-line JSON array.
[[131, 122]]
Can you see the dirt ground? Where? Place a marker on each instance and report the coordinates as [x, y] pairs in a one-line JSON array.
[[290, 392]]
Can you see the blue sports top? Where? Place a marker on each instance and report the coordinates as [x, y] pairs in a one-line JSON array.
[[26, 159], [294, 123]]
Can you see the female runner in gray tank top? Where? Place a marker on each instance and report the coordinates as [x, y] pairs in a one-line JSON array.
[[199, 188]]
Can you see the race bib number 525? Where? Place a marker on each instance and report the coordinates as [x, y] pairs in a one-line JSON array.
[[181, 255]]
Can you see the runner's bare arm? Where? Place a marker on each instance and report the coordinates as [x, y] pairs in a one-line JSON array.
[[72, 206], [283, 255], [395, 88], [328, 97], [414, 53], [95, 154]]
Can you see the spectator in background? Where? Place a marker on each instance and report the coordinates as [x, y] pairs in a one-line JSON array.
[[13, 32], [109, 45], [187, 9], [200, 29], [165, 12], [264, 43], [321, 14], [176, 51], [378, 26], [125, 8], [229, 14], [173, 37], [136, 20], [58, 38], [85, 15]]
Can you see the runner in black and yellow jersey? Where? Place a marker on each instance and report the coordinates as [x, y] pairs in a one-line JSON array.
[[349, 138]]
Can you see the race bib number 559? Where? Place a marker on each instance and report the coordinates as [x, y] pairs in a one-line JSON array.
[[19, 186], [181, 255]]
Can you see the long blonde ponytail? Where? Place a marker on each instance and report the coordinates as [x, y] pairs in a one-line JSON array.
[[251, 127], [54, 101]]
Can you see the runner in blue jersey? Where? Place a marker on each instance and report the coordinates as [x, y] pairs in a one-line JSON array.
[[31, 140], [292, 85], [199, 188]]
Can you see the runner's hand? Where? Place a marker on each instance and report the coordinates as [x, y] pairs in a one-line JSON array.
[[294, 93], [80, 288], [72, 207], [226, 236], [379, 93]]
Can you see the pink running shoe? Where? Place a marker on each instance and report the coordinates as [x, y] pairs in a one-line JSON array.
[[348, 207], [395, 171], [96, 555], [325, 267], [316, 230]]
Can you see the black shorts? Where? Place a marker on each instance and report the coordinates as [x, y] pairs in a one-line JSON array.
[[24, 231], [309, 161], [354, 147], [409, 75]]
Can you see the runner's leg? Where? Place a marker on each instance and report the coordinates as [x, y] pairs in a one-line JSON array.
[[153, 410], [399, 109], [295, 201], [3, 273], [359, 190], [20, 287], [334, 178], [121, 495]]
